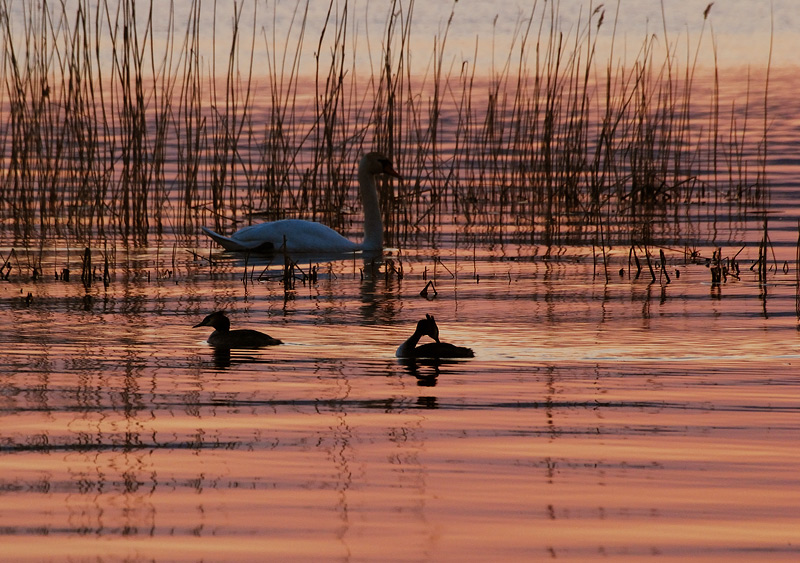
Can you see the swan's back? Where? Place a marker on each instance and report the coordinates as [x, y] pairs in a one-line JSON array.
[[300, 236]]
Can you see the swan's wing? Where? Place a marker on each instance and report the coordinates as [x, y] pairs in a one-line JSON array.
[[299, 236], [229, 243], [309, 236]]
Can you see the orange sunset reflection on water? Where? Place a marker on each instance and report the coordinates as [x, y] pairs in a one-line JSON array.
[[635, 390], [597, 420]]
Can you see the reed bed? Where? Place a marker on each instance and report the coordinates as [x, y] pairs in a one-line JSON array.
[[110, 133]]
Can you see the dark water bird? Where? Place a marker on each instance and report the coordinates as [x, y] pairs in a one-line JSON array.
[[224, 337], [437, 349], [310, 236]]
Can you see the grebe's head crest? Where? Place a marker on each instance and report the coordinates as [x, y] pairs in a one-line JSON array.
[[427, 326]]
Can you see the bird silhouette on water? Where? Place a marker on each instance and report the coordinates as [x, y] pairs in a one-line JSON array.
[[224, 337]]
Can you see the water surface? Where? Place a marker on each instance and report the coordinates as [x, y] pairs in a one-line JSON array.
[[606, 415], [621, 419]]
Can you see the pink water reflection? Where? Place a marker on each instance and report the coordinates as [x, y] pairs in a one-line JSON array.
[[618, 420], [602, 418]]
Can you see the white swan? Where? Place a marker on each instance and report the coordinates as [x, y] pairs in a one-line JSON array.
[[310, 236]]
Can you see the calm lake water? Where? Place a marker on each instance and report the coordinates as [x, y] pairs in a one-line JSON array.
[[598, 420], [604, 417]]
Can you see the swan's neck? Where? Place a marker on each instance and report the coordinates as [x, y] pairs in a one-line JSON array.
[[406, 349], [373, 225]]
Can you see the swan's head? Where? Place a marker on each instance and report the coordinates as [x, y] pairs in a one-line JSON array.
[[428, 327], [217, 319], [375, 163]]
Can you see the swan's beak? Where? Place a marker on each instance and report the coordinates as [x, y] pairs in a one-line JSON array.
[[390, 171]]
